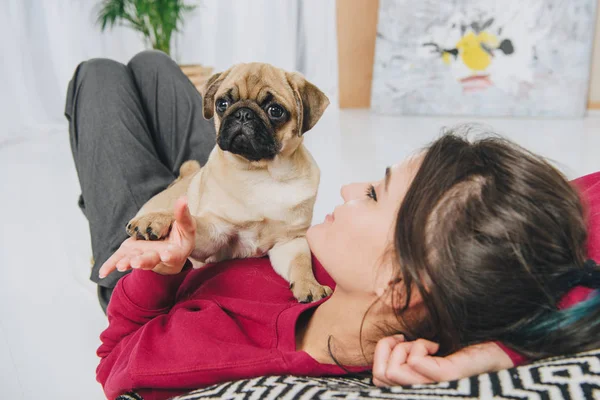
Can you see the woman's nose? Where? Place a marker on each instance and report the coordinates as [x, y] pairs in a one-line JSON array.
[[353, 191]]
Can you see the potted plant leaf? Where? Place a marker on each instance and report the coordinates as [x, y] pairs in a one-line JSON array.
[[157, 21]]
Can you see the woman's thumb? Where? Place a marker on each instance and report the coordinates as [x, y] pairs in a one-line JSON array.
[[183, 217]]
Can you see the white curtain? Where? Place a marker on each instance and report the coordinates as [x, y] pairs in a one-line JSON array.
[[44, 40]]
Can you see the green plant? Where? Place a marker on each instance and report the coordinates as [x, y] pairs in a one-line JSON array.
[[155, 19]]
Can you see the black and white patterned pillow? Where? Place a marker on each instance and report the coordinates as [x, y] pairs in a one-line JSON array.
[[573, 377]]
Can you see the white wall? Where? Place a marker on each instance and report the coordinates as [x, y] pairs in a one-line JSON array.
[[42, 42], [594, 94]]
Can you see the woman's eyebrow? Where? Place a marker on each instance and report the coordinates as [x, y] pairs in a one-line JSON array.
[[388, 174]]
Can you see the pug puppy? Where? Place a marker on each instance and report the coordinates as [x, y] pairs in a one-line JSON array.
[[256, 193]]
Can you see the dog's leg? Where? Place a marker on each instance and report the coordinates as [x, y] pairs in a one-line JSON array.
[[154, 220], [292, 261]]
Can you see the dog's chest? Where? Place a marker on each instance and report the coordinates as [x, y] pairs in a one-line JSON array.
[[251, 210], [256, 200], [254, 221], [246, 241], [277, 202]]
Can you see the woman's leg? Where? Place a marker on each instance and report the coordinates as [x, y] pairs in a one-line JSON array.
[[173, 109], [131, 127]]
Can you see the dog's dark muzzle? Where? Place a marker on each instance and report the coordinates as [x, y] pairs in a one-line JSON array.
[[242, 132]]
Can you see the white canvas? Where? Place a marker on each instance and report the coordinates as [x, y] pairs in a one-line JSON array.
[[483, 57]]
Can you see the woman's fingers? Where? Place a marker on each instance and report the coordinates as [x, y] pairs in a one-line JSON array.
[[173, 255], [383, 350], [126, 256], [146, 260], [399, 354], [182, 238], [437, 369], [421, 348], [123, 264], [424, 367], [130, 248], [399, 372], [473, 360], [410, 363], [144, 254], [166, 256], [185, 222], [469, 361], [164, 269], [111, 264], [394, 360]]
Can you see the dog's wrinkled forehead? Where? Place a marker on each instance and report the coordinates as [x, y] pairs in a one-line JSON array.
[[259, 82], [265, 84]]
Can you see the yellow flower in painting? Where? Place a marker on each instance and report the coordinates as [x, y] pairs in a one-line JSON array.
[[476, 50]]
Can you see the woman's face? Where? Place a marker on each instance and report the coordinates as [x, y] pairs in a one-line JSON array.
[[355, 242]]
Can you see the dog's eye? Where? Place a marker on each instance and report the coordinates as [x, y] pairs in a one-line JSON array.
[[222, 105], [275, 111]]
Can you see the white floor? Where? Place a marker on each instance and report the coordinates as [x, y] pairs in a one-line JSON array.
[[49, 316]]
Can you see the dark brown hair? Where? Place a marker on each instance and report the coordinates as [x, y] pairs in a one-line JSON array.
[[484, 233]]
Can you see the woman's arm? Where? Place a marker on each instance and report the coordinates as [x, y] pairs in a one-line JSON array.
[[397, 362], [159, 268], [138, 298], [150, 290]]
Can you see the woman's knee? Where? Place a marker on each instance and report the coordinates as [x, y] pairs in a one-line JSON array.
[[97, 76], [101, 72], [101, 94], [150, 61], [93, 80]]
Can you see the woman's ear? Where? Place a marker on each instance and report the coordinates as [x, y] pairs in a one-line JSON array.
[[391, 293]]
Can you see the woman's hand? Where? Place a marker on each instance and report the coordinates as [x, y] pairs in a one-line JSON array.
[[166, 257], [397, 362]]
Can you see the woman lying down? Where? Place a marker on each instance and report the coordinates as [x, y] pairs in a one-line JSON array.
[[467, 258]]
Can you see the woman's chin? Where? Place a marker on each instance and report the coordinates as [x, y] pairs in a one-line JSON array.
[[314, 237]]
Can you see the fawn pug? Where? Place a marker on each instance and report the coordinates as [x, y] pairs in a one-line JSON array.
[[256, 193]]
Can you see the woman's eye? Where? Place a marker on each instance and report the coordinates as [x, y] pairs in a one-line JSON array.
[[222, 105], [275, 111], [371, 192]]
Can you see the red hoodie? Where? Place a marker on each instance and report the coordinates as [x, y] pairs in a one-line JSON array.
[[171, 334]]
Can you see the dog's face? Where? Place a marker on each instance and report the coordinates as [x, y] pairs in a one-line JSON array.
[[261, 111]]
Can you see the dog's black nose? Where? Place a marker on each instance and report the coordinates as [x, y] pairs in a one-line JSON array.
[[244, 114]]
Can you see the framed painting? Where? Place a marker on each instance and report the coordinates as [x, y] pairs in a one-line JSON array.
[[527, 58]]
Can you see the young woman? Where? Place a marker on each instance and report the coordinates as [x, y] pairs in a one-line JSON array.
[[466, 258]]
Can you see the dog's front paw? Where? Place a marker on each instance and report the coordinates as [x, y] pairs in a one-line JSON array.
[[307, 291], [153, 226]]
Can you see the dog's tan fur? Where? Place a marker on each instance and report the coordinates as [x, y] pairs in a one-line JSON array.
[[251, 208]]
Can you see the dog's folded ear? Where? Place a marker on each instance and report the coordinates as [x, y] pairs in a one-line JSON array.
[[208, 91], [311, 102]]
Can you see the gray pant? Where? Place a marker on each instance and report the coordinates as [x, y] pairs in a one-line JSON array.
[[131, 127]]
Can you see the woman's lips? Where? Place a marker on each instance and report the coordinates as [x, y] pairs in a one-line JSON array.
[[329, 218]]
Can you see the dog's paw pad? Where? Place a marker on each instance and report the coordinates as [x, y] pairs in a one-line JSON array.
[[153, 226], [307, 291]]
